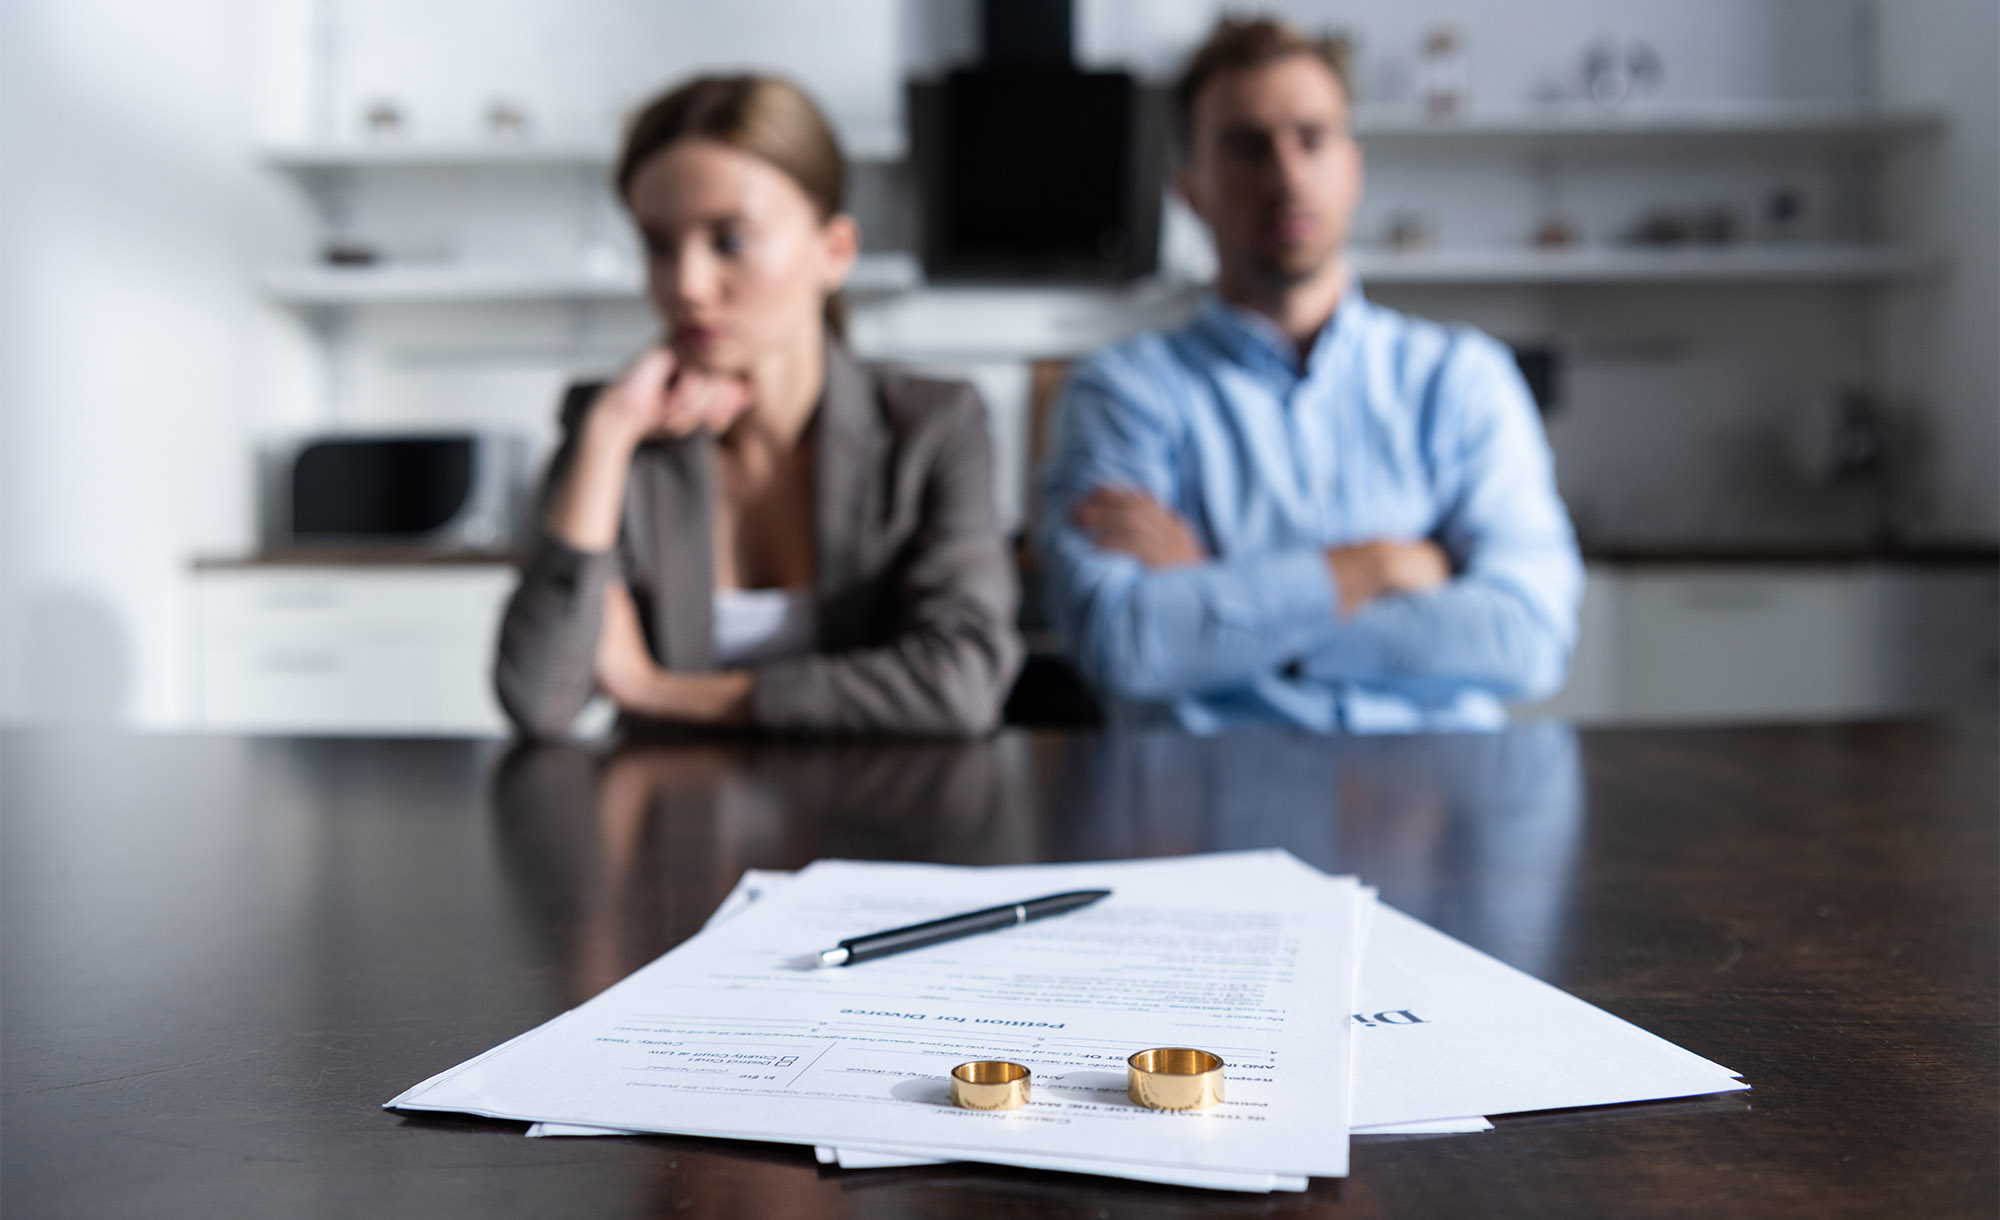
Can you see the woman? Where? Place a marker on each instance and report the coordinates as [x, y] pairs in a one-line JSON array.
[[749, 527]]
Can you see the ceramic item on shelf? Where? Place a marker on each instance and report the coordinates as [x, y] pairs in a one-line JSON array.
[[1556, 232], [1410, 229], [346, 252], [1615, 74], [1717, 225], [506, 119], [384, 119], [1662, 227], [1441, 73], [1784, 213]]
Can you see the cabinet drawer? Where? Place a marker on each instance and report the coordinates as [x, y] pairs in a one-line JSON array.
[[303, 594], [356, 650], [360, 688], [1725, 644]]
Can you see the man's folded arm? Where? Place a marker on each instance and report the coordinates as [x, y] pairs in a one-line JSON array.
[[1507, 623], [1476, 631], [1156, 633]]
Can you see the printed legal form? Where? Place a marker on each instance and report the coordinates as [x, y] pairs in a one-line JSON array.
[[1254, 956]]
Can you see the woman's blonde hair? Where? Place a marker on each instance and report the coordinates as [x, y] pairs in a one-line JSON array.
[[766, 116]]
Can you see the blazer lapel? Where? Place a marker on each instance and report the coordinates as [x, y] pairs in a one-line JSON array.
[[684, 538], [847, 496]]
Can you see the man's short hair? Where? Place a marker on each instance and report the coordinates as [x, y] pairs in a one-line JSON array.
[[1240, 44]]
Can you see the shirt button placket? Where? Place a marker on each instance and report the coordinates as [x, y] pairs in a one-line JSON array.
[[1325, 478]]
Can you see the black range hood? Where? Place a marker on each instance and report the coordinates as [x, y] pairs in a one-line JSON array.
[[1032, 170]]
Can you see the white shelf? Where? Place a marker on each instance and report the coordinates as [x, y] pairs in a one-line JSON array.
[[1555, 123], [451, 283], [871, 147], [354, 154], [309, 284], [885, 274], [1572, 123], [1741, 264]]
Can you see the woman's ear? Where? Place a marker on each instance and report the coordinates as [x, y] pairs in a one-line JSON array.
[[840, 245]]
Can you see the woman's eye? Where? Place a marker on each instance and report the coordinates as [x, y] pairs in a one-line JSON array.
[[729, 243]]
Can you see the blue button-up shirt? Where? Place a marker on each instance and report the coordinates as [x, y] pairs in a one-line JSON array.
[[1396, 429]]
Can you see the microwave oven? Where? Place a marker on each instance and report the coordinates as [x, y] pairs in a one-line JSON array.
[[450, 491]]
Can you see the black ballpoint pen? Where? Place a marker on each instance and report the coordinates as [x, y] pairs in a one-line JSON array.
[[916, 936]]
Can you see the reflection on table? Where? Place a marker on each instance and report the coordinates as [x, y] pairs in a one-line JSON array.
[[1477, 829]]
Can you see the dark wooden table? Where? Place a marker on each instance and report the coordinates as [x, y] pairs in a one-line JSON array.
[[221, 955]]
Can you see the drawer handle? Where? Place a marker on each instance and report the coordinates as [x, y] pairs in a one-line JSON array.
[[300, 662], [1728, 599], [302, 599]]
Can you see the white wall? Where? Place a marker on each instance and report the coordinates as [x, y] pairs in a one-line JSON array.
[[131, 338], [1944, 345], [578, 67]]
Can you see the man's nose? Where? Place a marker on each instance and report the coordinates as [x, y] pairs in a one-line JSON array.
[[1292, 161]]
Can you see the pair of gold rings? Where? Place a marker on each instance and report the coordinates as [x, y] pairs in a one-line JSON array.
[[1164, 1078]]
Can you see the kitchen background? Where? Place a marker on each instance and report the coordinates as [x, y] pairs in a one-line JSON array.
[[1748, 247]]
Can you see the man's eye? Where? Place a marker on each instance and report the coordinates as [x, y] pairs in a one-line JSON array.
[[1311, 138], [729, 243], [1243, 147]]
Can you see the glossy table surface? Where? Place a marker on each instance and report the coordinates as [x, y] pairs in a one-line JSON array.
[[219, 956]]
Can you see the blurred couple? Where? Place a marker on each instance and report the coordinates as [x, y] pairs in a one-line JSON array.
[[1299, 509]]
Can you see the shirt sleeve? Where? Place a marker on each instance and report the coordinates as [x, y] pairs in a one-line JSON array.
[[1147, 634], [947, 671], [1506, 623]]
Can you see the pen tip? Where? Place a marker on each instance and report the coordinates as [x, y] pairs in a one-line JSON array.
[[833, 957]]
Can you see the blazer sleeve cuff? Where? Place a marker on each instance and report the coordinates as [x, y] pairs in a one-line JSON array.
[[788, 695]]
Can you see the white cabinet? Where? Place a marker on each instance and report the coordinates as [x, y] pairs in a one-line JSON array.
[[347, 649], [1742, 644], [1737, 642]]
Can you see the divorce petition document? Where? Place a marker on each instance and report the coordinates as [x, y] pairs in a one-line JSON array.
[[738, 1034]]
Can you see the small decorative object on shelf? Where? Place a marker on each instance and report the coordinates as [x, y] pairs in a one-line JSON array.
[[346, 252], [1613, 75], [1556, 232], [506, 119], [1441, 73], [1662, 227], [1410, 229], [1784, 212], [384, 119], [1716, 225]]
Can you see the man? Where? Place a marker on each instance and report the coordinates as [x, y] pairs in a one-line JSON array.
[[1302, 508]]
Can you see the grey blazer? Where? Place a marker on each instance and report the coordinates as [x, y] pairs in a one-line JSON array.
[[915, 587]]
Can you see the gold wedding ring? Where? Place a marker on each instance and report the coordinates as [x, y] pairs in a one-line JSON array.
[[1174, 1078], [989, 1084]]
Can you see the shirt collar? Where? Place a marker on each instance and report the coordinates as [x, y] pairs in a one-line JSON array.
[[1254, 340]]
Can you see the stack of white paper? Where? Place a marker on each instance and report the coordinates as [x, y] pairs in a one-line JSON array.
[[1331, 1010]]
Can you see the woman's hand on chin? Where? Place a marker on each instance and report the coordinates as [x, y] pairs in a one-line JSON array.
[[626, 672], [662, 395]]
